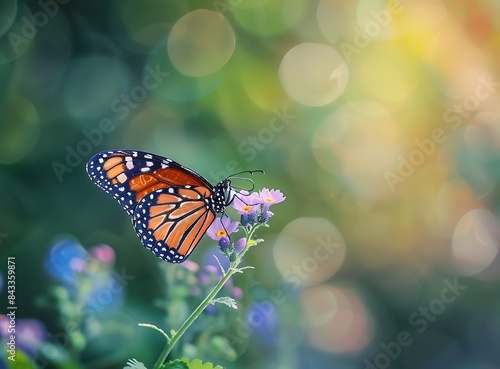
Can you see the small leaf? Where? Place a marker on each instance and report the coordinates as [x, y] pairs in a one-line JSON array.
[[134, 364], [156, 329], [229, 301], [220, 265], [198, 364]]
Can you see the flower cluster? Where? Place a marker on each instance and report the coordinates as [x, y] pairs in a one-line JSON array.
[[88, 288], [253, 209]]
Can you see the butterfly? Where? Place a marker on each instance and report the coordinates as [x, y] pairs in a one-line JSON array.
[[171, 206]]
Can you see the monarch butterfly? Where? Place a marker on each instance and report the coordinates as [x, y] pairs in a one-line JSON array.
[[171, 206]]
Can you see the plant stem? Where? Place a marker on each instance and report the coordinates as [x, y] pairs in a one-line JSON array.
[[232, 269]]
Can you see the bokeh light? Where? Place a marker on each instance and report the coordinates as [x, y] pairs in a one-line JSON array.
[[389, 74], [15, 18], [313, 74], [309, 251], [269, 18], [336, 319], [475, 242], [357, 133], [20, 127], [95, 95], [200, 43]]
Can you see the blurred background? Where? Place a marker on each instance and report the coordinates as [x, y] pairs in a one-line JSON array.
[[378, 120]]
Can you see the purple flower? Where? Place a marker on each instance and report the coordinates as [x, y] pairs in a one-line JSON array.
[[261, 317], [245, 203], [221, 227], [240, 245], [237, 293], [65, 259], [270, 197], [250, 218], [224, 243], [210, 309], [103, 253], [30, 333], [264, 217]]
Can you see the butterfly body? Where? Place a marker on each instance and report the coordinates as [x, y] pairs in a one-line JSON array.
[[171, 206]]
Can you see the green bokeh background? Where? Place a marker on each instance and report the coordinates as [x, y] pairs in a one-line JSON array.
[[356, 106]]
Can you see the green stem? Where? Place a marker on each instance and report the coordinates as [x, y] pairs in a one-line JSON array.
[[233, 268], [193, 317]]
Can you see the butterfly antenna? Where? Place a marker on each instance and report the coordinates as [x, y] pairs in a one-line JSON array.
[[243, 188], [223, 226], [245, 179], [247, 171]]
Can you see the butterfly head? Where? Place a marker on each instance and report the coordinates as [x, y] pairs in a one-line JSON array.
[[222, 195]]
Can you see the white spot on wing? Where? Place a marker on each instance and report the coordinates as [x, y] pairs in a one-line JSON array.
[[122, 178]]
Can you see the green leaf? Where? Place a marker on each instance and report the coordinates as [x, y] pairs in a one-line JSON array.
[[198, 364], [155, 328], [229, 301], [134, 364]]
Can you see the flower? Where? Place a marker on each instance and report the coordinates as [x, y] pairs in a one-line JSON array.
[[237, 292], [103, 253], [221, 227], [270, 197], [249, 205], [261, 316], [65, 259], [224, 243], [240, 245], [210, 309], [248, 219], [30, 333]]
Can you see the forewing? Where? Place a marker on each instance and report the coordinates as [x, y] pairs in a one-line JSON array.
[[130, 175]]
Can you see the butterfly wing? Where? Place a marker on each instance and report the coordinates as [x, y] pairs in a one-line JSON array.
[[170, 204], [129, 175], [171, 221]]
